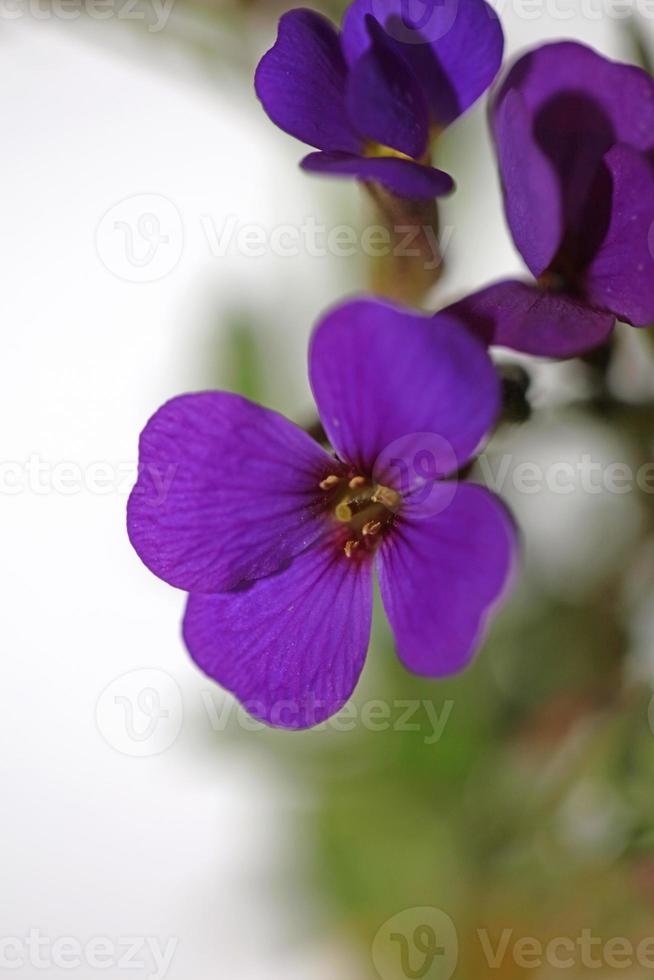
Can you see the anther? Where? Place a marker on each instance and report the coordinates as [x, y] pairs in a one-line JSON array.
[[350, 546], [384, 495], [356, 482], [329, 482], [371, 527]]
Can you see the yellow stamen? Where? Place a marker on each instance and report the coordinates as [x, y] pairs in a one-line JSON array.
[[389, 498], [350, 546], [357, 481], [371, 527], [379, 150], [329, 482]]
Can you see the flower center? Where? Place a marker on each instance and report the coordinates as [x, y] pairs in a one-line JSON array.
[[362, 510], [372, 149], [563, 273], [552, 281]]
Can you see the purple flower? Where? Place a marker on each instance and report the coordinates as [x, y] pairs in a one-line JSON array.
[[372, 97], [574, 135], [276, 539]]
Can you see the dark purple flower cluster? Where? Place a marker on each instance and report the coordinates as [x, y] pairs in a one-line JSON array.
[[373, 97], [575, 144], [276, 538]]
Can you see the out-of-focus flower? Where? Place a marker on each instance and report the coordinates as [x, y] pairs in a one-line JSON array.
[[574, 134], [373, 97], [276, 539]]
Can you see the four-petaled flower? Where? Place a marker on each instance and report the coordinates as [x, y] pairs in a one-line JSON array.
[[575, 136], [373, 97], [276, 539]]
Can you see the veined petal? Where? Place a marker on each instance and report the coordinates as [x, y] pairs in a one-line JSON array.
[[301, 82], [291, 646], [528, 319], [227, 491], [380, 373], [532, 197], [621, 275], [384, 98], [441, 576], [454, 46], [402, 177]]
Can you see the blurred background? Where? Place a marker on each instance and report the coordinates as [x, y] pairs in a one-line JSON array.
[[159, 238]]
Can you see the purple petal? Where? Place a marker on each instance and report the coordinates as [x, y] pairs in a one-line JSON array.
[[384, 98], [530, 186], [440, 577], [227, 492], [580, 104], [454, 46], [291, 646], [381, 374], [301, 82], [528, 319], [553, 71], [621, 276], [402, 177]]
